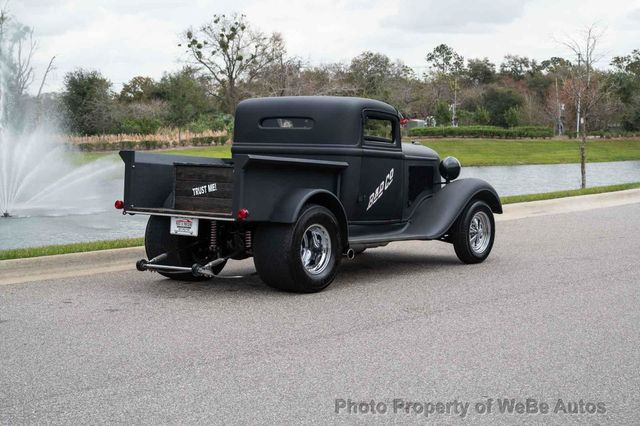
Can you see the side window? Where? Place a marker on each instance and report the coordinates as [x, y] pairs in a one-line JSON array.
[[378, 130]]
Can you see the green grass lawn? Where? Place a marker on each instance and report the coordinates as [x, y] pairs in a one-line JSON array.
[[214, 151], [81, 158], [498, 152], [69, 248], [568, 193]]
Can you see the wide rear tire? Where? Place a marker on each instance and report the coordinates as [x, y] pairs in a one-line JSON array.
[[158, 240], [302, 257]]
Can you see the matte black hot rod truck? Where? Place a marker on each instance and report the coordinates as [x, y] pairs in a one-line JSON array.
[[310, 179]]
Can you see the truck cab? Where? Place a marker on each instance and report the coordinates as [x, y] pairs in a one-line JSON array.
[[339, 160]]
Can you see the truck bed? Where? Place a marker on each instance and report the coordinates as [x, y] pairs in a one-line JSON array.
[[177, 185]]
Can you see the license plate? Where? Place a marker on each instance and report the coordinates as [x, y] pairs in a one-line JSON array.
[[184, 226]]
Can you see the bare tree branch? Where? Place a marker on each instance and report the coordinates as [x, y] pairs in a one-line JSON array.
[[44, 77]]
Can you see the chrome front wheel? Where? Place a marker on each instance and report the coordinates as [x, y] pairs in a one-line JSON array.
[[479, 232], [474, 232]]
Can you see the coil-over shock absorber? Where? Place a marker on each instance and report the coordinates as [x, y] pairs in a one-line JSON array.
[[213, 237], [247, 240]]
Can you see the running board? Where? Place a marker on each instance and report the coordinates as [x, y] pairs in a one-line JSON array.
[[433, 216]]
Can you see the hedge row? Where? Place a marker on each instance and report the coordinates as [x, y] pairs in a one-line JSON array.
[[483, 132], [609, 134], [150, 144]]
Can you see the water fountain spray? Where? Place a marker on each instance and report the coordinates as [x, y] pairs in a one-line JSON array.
[[38, 174]]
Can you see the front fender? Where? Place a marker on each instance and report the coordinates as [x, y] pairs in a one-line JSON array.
[[435, 216]]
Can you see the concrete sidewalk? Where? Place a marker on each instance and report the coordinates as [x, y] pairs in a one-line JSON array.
[[104, 261], [569, 204]]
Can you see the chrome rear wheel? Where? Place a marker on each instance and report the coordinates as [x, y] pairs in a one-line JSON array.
[[315, 249]]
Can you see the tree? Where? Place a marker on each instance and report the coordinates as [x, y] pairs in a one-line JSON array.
[[481, 71], [89, 102], [186, 95], [16, 52], [582, 88], [231, 52], [498, 101], [447, 64], [556, 69], [629, 63], [517, 67], [139, 89], [17, 47], [282, 77], [369, 72], [326, 80], [444, 60], [375, 75], [625, 83]]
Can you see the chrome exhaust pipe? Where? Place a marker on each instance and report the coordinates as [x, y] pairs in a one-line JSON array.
[[351, 254]]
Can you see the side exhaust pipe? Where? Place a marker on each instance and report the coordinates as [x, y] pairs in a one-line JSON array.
[[351, 254]]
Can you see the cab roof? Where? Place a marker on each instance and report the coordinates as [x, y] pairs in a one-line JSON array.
[[304, 119]]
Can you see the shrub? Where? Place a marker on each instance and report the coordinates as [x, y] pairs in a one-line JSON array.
[[143, 126], [442, 113], [201, 141], [483, 132], [512, 117], [482, 116], [220, 122], [610, 133]]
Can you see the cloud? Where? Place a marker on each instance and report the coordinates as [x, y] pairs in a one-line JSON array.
[[125, 38], [454, 16]]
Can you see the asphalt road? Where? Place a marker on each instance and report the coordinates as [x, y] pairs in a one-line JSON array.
[[553, 314]]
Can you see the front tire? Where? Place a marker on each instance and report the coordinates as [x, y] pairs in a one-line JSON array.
[[474, 233], [302, 257]]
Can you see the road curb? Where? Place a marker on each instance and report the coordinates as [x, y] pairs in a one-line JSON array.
[[115, 260], [68, 265]]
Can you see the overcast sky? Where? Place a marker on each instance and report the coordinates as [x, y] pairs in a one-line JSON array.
[[125, 38]]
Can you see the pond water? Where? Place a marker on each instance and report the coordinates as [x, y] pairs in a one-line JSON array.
[[109, 223], [531, 179]]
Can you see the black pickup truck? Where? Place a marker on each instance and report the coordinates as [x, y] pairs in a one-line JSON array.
[[311, 179]]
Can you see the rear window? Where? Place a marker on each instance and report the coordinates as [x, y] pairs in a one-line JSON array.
[[287, 123], [378, 129]]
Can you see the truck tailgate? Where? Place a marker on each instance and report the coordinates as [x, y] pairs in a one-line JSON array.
[[204, 188]]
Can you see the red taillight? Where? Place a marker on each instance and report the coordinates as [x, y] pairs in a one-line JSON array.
[[119, 204], [243, 214]]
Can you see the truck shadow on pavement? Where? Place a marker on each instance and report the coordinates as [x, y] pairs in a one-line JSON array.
[[381, 267]]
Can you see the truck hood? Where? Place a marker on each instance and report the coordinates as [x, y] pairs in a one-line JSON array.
[[411, 150]]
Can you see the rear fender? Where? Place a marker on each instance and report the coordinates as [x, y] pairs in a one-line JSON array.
[[290, 206]]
